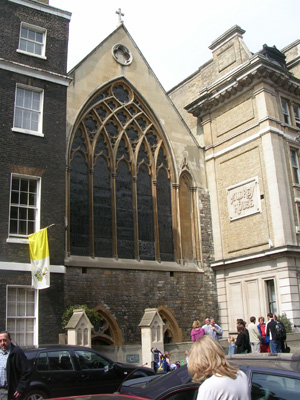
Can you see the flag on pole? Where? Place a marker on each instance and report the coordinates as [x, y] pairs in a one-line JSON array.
[[40, 260]]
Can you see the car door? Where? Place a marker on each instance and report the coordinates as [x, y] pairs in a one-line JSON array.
[[98, 374], [57, 372]]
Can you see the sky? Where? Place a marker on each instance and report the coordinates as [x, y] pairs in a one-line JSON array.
[[174, 36]]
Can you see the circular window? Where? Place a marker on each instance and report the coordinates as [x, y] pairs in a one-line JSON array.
[[122, 54]]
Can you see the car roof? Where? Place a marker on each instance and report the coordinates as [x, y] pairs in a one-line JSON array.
[[55, 346], [286, 362]]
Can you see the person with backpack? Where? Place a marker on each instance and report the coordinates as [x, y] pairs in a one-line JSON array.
[[273, 332], [281, 332]]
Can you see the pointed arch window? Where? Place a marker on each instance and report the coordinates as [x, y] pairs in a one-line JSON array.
[[119, 180]]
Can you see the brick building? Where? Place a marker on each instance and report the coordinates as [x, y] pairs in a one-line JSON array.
[[33, 59]]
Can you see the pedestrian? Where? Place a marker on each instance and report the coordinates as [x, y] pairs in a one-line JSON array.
[[197, 331], [232, 346], [240, 321], [14, 369], [280, 333], [242, 341], [265, 340], [275, 343], [254, 336], [207, 327], [217, 331], [219, 379]]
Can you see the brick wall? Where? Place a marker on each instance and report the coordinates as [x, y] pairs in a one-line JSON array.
[[41, 156], [56, 42], [50, 303]]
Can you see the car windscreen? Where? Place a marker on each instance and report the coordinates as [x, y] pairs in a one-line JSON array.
[[154, 387]]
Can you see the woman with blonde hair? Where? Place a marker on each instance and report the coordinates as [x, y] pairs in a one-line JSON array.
[[219, 379]]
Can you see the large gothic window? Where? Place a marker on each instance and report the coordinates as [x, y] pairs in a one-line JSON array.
[[119, 169]]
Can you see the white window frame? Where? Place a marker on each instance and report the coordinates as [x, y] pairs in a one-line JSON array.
[[36, 29], [285, 111], [23, 238], [296, 110], [14, 331], [31, 110], [295, 166]]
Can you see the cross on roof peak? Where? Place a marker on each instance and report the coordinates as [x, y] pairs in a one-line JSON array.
[[120, 15]]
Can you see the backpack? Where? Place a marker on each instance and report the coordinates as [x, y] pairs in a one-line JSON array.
[[280, 330]]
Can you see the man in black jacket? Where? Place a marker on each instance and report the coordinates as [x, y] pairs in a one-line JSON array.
[[14, 369], [275, 345]]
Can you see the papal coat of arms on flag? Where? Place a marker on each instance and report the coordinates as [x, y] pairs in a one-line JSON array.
[[40, 260]]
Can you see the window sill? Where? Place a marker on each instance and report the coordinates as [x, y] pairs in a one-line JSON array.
[[28, 132], [111, 263], [17, 240], [31, 54]]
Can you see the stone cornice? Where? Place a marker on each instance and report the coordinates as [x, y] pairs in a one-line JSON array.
[[34, 72], [37, 5], [239, 79]]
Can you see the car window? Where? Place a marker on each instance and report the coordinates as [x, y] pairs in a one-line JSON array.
[[54, 361], [274, 387], [89, 360]]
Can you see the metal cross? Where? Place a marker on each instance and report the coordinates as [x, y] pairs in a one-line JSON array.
[[120, 14]]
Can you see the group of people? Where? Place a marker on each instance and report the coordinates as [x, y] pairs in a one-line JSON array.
[[210, 328], [207, 362], [258, 338]]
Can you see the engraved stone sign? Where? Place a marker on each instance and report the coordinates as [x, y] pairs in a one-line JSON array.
[[243, 199]]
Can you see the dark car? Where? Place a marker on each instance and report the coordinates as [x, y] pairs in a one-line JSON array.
[[59, 371], [270, 377]]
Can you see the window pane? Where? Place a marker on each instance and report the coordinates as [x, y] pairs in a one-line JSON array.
[[35, 101], [31, 34], [22, 45], [23, 198], [39, 37], [31, 228], [21, 325], [30, 47], [29, 310], [32, 186], [13, 227], [22, 228], [14, 212], [20, 97], [23, 213], [24, 32], [11, 310]]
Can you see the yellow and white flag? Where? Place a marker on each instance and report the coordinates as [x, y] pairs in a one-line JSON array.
[[40, 260]]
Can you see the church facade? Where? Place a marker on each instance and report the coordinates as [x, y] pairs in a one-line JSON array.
[[187, 201], [138, 210]]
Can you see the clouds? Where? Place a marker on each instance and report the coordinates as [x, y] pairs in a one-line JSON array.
[[174, 37]]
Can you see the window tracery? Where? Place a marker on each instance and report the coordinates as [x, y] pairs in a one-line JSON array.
[[120, 175]]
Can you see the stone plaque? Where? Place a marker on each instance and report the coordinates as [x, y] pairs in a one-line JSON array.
[[243, 199]]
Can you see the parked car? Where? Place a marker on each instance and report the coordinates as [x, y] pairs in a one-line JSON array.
[[59, 370], [270, 377]]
